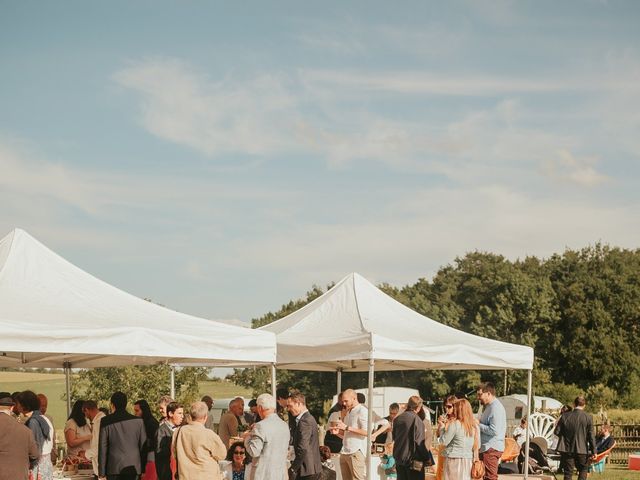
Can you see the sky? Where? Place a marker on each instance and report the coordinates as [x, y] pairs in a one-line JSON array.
[[220, 158]]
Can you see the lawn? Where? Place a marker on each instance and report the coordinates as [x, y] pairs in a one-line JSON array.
[[52, 385], [613, 472]]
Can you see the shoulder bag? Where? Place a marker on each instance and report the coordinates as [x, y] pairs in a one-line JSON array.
[[477, 468]]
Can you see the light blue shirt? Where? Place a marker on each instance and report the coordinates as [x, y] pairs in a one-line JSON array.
[[493, 426]]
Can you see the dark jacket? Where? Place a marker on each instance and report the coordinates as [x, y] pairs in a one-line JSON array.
[[408, 439], [163, 452], [604, 444], [575, 433], [17, 449], [306, 446], [121, 445]]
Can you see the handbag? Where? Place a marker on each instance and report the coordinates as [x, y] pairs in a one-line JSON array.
[[477, 467], [421, 457]]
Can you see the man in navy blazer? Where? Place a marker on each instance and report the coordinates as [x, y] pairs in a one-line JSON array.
[[576, 442], [307, 464]]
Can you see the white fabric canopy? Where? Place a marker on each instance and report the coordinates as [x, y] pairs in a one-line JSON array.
[[54, 314], [355, 321]]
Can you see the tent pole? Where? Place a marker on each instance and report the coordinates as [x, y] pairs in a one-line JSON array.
[[529, 409], [172, 381], [505, 382], [67, 384], [339, 380], [370, 418], [273, 380]]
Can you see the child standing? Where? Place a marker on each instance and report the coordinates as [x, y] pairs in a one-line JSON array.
[[388, 463]]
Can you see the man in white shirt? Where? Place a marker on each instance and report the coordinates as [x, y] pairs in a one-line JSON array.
[[353, 430], [90, 410]]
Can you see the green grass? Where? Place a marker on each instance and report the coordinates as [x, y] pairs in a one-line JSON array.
[[613, 472], [52, 385], [222, 389]]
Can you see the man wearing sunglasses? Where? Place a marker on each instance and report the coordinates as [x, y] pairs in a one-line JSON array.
[[493, 427]]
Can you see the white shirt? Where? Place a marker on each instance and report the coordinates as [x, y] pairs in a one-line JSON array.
[[352, 442], [47, 446], [92, 452]]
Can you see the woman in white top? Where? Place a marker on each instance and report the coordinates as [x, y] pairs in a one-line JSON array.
[[458, 435], [238, 466], [77, 431]]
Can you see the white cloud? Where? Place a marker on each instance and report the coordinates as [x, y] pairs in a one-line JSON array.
[[567, 167], [213, 117], [426, 229]]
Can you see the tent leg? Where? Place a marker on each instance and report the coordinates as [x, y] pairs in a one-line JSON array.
[[370, 418], [339, 380], [505, 383], [273, 380], [529, 409], [172, 381], [67, 384]]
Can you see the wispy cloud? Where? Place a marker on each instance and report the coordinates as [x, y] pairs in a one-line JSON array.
[[566, 167], [424, 229], [214, 117], [427, 83]]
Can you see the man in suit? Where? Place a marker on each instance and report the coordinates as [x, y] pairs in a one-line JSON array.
[[18, 448], [165, 465], [576, 442], [197, 449], [604, 441], [307, 463], [121, 442], [268, 442]]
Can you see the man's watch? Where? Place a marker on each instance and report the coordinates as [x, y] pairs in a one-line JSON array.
[[346, 428]]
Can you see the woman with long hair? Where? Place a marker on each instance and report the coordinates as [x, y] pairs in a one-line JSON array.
[[239, 467], [458, 437], [447, 416], [141, 409], [77, 431]]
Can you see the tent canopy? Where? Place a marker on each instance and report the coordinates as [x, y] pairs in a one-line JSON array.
[[53, 314], [355, 321]]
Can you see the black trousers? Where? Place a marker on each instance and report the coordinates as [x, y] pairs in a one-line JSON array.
[[405, 473], [572, 461], [126, 476]]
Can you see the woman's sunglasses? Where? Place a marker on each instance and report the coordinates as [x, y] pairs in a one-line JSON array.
[[238, 452]]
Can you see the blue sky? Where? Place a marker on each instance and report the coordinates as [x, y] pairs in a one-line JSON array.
[[222, 157]]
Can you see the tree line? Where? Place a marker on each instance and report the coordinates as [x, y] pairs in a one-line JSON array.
[[579, 310]]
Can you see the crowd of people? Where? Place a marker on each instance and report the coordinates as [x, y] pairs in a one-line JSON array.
[[278, 439]]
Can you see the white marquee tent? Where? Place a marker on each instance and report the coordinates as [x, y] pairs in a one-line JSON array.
[[357, 327], [53, 314], [355, 322]]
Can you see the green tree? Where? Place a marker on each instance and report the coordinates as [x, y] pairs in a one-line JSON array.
[[598, 291], [137, 382]]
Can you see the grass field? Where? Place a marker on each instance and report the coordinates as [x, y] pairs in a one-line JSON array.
[[52, 385], [613, 472]]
